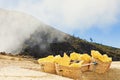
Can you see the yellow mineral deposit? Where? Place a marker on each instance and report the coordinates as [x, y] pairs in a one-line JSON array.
[[74, 56], [103, 58], [76, 64], [64, 61], [46, 59], [57, 59], [103, 62], [77, 56], [86, 58]]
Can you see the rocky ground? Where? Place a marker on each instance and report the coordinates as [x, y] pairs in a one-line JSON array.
[[18, 68]]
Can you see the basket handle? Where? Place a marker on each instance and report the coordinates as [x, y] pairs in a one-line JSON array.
[[92, 63]]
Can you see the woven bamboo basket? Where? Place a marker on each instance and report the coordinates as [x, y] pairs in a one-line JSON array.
[[71, 72], [86, 67], [100, 67], [48, 67]]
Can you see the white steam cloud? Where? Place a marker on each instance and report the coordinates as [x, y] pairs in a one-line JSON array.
[[71, 14], [14, 29]]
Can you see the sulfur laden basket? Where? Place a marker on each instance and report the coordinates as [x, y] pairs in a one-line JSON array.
[[85, 67], [71, 72], [99, 67], [48, 67]]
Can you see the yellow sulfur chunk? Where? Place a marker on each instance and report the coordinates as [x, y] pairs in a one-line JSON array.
[[66, 56], [49, 57], [109, 59], [86, 57], [65, 60], [64, 63], [57, 59], [95, 54], [41, 60], [103, 58], [46, 59], [76, 64], [79, 57], [74, 56]]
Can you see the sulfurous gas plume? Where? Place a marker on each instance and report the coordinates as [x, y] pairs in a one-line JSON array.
[[19, 30]]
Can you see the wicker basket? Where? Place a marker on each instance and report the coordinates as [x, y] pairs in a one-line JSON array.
[[86, 67], [100, 67], [48, 67], [71, 72]]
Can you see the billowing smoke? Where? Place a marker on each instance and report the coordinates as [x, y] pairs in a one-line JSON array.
[[18, 29]]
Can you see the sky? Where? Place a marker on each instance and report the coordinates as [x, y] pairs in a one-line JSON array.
[[96, 19]]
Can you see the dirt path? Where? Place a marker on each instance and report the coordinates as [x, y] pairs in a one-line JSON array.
[[15, 68], [17, 73]]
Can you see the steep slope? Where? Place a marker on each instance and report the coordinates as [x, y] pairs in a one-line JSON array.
[[68, 44], [25, 34]]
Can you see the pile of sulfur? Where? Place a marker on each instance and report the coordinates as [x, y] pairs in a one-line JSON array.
[[75, 59], [103, 58], [72, 66]]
